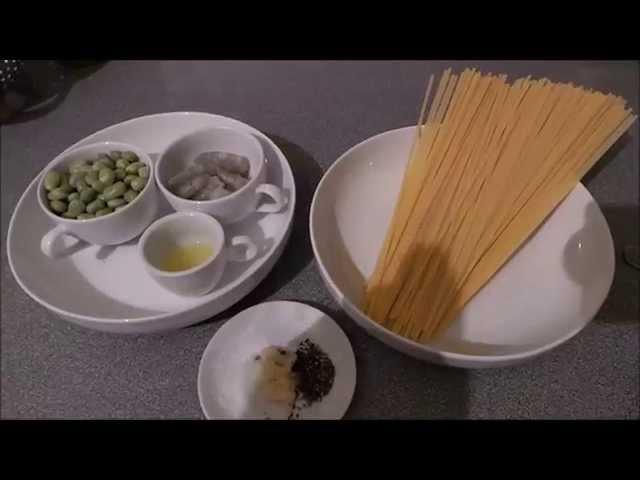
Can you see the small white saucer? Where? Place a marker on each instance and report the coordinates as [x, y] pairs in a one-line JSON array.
[[226, 377]]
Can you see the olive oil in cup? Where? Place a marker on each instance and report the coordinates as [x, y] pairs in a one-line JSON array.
[[186, 257], [185, 252]]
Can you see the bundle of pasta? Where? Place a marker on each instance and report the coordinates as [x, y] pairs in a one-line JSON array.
[[490, 161]]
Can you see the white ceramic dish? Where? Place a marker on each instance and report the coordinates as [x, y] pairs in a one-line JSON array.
[[112, 229], [549, 290], [111, 289], [226, 377], [236, 206], [189, 228]]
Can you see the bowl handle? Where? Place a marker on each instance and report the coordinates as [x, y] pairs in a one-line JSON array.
[[51, 244], [249, 254], [276, 194]]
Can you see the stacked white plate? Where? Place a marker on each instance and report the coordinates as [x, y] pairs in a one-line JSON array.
[[107, 288]]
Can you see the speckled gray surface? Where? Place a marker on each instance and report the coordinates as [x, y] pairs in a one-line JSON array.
[[314, 111]]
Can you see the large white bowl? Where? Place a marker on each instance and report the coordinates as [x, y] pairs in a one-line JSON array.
[[549, 290]]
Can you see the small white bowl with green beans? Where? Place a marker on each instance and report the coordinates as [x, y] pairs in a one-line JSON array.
[[103, 193]]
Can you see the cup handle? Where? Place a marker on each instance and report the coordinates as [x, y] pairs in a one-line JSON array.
[[276, 194], [51, 245], [248, 255]]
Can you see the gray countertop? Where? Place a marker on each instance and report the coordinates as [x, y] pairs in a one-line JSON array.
[[314, 111]]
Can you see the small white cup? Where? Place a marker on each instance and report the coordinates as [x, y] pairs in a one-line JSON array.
[[185, 228], [113, 229], [237, 205]]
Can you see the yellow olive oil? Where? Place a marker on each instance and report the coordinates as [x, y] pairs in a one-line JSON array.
[[184, 257]]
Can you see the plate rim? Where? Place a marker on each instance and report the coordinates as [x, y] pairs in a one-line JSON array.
[[405, 343], [89, 320], [259, 305]]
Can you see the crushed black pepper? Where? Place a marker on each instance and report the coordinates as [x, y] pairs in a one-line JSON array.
[[314, 372], [295, 408], [313, 375]]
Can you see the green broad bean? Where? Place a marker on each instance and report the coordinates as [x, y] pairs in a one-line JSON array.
[[58, 206], [97, 185], [114, 191], [77, 164], [115, 154], [130, 156], [116, 202], [120, 173], [86, 216], [96, 205], [106, 176], [76, 169], [91, 177], [106, 161], [130, 195], [52, 180], [88, 195], [104, 211], [100, 164], [137, 184], [74, 177], [80, 168], [68, 215], [134, 167], [57, 194], [76, 207], [143, 172], [127, 180], [64, 184], [81, 185], [73, 196], [122, 163]]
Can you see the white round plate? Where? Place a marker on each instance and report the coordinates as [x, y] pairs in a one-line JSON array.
[[227, 373], [549, 290], [107, 288]]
